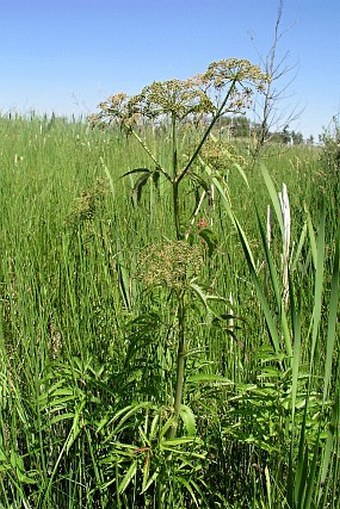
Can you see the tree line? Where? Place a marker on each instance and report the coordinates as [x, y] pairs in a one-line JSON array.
[[243, 127]]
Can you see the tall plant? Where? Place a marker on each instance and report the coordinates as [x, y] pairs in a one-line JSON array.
[[226, 87]]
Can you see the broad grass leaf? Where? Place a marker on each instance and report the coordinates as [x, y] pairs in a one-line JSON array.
[[332, 317], [62, 417], [274, 197], [188, 485], [242, 173]]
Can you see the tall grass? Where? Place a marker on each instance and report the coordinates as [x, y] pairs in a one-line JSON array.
[[88, 353]]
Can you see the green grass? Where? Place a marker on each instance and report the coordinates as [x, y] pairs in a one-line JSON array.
[[88, 353]]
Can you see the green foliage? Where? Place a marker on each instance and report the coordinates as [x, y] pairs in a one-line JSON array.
[[331, 150], [89, 353]]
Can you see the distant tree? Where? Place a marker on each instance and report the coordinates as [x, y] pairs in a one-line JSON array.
[[284, 137], [268, 116], [331, 146], [297, 138], [240, 127], [310, 140], [237, 127]]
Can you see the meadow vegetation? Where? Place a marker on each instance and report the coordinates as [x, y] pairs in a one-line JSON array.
[[169, 330]]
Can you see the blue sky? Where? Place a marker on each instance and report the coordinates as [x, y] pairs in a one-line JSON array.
[[68, 55]]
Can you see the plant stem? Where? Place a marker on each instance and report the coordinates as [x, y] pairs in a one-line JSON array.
[[175, 195], [177, 178], [176, 212], [174, 147], [180, 371]]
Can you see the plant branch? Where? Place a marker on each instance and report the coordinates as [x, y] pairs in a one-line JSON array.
[[208, 130]]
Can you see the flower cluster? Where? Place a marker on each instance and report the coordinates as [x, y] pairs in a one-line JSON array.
[[221, 155], [180, 99], [116, 109], [177, 98], [170, 264], [86, 205], [223, 72]]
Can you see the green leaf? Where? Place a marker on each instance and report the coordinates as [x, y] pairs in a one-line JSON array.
[[197, 179], [274, 197], [155, 177], [332, 317], [134, 171], [154, 427], [270, 319], [76, 426], [147, 482], [139, 186], [205, 297], [122, 416], [268, 486], [209, 378], [176, 442], [241, 172], [61, 417], [188, 486], [298, 251], [210, 238], [189, 420], [128, 477]]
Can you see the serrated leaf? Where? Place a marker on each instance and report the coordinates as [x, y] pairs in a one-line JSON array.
[[122, 415], [127, 478], [154, 427], [146, 473], [150, 481], [189, 419]]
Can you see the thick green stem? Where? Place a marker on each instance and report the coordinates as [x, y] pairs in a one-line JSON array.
[[174, 147], [180, 370], [175, 197], [175, 194]]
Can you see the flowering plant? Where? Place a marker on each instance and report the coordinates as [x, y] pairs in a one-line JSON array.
[[226, 87]]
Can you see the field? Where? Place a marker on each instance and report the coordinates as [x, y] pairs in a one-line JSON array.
[[143, 368]]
